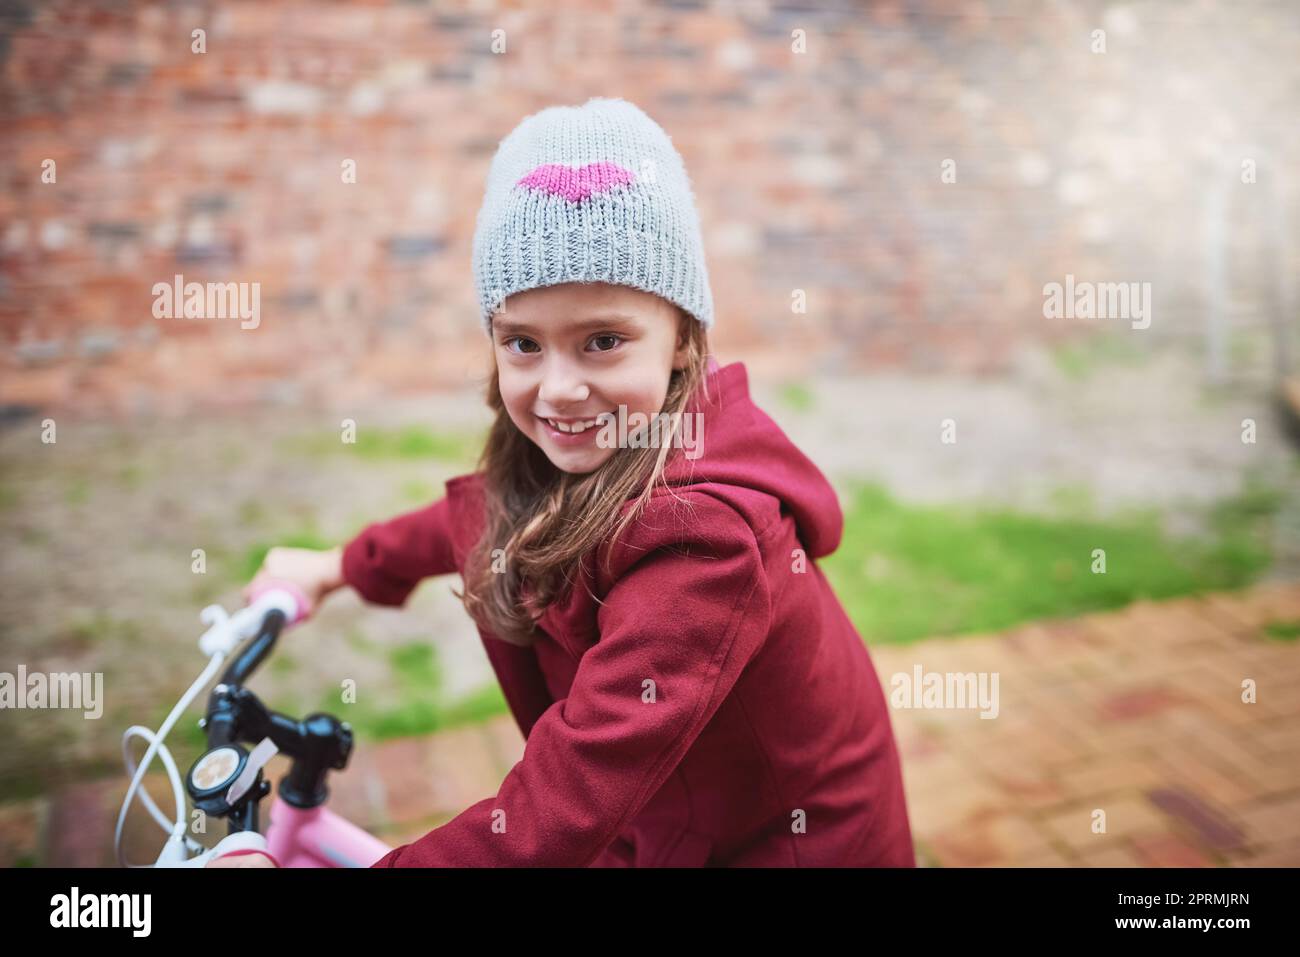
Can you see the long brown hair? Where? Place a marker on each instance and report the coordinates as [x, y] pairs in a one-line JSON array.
[[545, 521]]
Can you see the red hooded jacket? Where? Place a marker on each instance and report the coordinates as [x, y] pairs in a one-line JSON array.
[[704, 702]]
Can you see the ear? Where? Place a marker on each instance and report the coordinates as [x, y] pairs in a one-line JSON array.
[[684, 330]]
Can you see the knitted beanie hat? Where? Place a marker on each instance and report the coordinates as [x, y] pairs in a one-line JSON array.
[[591, 193]]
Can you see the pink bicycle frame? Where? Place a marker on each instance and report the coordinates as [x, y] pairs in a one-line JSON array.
[[317, 837]]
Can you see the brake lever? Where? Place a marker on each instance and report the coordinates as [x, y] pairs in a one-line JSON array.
[[226, 632]]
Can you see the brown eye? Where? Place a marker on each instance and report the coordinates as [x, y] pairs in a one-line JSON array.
[[507, 342], [608, 336]]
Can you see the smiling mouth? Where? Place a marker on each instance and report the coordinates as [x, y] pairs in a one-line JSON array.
[[571, 426]]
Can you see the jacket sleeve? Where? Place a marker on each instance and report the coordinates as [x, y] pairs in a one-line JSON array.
[[522, 682], [387, 560], [688, 610]]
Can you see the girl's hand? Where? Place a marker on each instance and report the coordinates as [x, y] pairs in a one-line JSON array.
[[244, 859], [316, 572]]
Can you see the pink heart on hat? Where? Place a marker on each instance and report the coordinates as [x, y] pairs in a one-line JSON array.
[[577, 183]]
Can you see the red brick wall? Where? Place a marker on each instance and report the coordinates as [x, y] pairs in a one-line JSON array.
[[817, 171]]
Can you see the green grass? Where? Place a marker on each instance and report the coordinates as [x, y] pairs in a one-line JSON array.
[[77, 492], [416, 665], [1248, 345], [1283, 630], [88, 629], [412, 442], [418, 491], [207, 589], [487, 702], [1077, 498], [1083, 357], [130, 476], [357, 640], [251, 513], [1236, 523], [419, 705], [905, 572], [186, 740], [797, 396], [246, 567]]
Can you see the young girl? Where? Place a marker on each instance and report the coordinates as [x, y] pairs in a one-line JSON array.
[[638, 548]]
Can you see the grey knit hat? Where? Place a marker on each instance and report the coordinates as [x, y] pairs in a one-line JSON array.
[[591, 193]]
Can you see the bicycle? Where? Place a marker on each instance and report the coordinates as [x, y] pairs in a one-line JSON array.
[[227, 780]]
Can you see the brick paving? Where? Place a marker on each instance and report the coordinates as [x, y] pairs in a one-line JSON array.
[[1136, 713]]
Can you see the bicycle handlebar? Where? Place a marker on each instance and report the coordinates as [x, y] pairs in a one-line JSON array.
[[274, 606], [246, 663], [316, 744]]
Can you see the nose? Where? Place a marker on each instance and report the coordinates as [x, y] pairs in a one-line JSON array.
[[563, 384]]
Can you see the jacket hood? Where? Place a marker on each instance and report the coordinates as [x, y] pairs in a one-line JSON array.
[[733, 442]]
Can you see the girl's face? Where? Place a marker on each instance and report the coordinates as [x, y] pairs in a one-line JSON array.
[[568, 353]]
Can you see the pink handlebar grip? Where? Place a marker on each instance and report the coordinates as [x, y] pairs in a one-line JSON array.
[[250, 850], [299, 597]]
